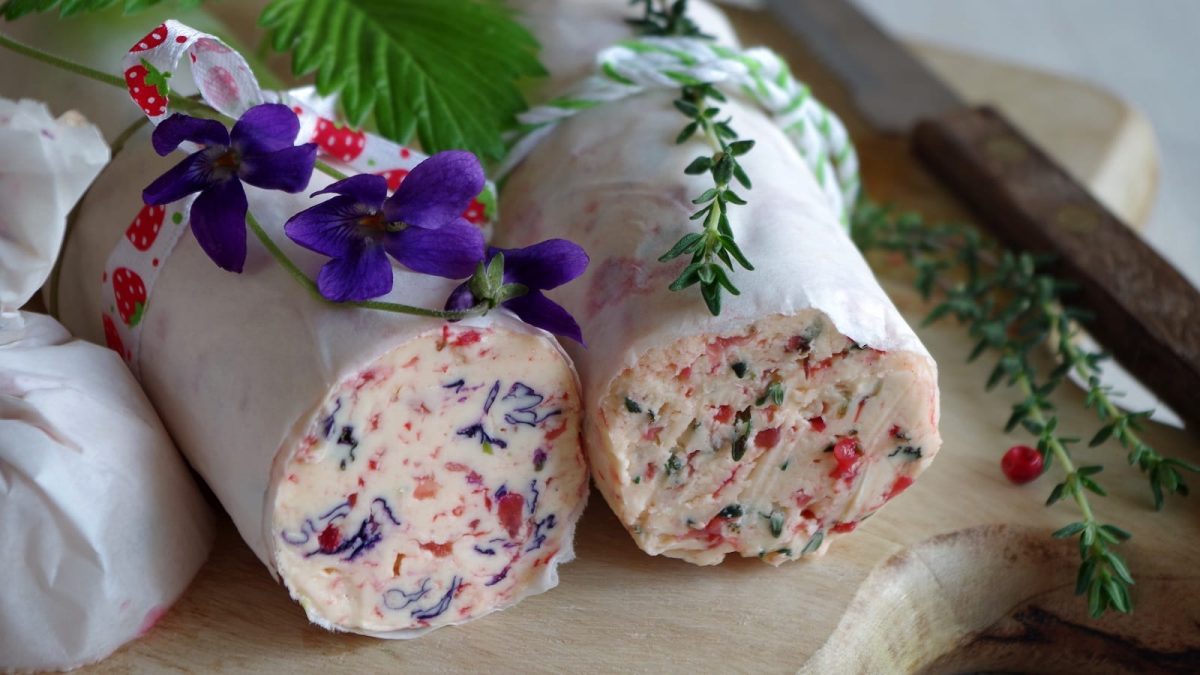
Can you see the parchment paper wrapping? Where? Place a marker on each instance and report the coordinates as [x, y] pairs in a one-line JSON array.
[[237, 365], [103, 527], [612, 180]]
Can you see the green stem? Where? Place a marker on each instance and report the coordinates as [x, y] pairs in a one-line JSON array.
[[57, 62], [330, 171], [290, 267], [1060, 452]]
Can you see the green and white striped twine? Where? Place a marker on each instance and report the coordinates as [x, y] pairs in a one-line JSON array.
[[635, 66]]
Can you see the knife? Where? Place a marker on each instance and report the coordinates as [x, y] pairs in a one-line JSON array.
[[1146, 313]]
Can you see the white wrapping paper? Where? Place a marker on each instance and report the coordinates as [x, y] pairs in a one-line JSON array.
[[238, 365], [103, 527], [612, 180]]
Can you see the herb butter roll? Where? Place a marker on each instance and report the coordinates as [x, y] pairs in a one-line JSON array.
[[397, 473], [766, 431]]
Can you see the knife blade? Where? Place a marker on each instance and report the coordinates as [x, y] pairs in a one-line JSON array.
[[1147, 313]]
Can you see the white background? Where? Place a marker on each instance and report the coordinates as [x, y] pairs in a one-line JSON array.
[[1147, 51]]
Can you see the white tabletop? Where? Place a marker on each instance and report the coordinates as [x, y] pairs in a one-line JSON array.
[[1145, 51]]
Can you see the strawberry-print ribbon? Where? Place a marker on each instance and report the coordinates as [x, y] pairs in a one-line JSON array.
[[225, 82]]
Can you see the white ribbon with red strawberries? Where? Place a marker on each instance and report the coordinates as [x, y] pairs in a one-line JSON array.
[[226, 83]]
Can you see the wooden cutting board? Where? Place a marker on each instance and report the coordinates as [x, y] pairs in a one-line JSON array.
[[957, 574]]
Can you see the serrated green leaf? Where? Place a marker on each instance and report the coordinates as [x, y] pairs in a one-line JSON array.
[[446, 68], [12, 10]]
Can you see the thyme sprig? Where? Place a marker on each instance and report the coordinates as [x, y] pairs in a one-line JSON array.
[[665, 18], [715, 242], [699, 102], [1012, 308]]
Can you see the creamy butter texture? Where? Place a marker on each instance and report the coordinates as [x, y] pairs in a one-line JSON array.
[[438, 485], [763, 443]]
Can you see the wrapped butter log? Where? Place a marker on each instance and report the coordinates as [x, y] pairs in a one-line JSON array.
[[766, 431], [103, 525], [397, 473]]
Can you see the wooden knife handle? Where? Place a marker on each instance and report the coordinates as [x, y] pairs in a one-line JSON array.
[[1147, 313]]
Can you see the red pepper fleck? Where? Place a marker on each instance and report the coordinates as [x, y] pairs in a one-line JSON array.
[[795, 343], [1022, 464], [808, 513], [724, 414], [684, 374], [802, 499], [466, 338], [372, 465], [901, 484], [352, 499], [894, 432], [651, 470], [848, 456], [408, 426], [375, 422], [438, 550], [651, 434], [845, 527], [329, 538], [555, 433], [817, 424], [767, 438], [427, 488], [511, 508]]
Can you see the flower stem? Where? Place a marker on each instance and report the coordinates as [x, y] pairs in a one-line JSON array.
[[290, 267], [61, 63]]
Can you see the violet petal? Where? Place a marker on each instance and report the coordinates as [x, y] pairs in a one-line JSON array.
[[179, 128], [461, 298], [366, 188], [536, 309], [452, 251], [437, 191], [219, 224], [288, 169], [363, 274], [191, 174], [545, 265], [265, 128], [330, 228]]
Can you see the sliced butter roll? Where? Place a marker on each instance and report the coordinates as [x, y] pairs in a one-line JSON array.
[[396, 473], [766, 431]]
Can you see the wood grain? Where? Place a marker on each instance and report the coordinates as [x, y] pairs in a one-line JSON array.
[[958, 574]]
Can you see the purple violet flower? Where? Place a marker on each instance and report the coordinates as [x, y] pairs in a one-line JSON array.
[[538, 268], [421, 226], [260, 151]]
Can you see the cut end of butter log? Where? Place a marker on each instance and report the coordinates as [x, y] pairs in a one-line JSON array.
[[767, 442], [438, 485]]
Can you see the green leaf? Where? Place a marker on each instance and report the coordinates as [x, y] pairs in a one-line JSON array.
[[15, 9], [739, 148], [712, 298], [1068, 531], [1101, 436], [447, 68], [686, 244], [687, 133], [698, 166]]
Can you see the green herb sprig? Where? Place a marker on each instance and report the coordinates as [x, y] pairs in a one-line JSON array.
[[700, 102], [665, 18], [715, 243], [1012, 308]]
